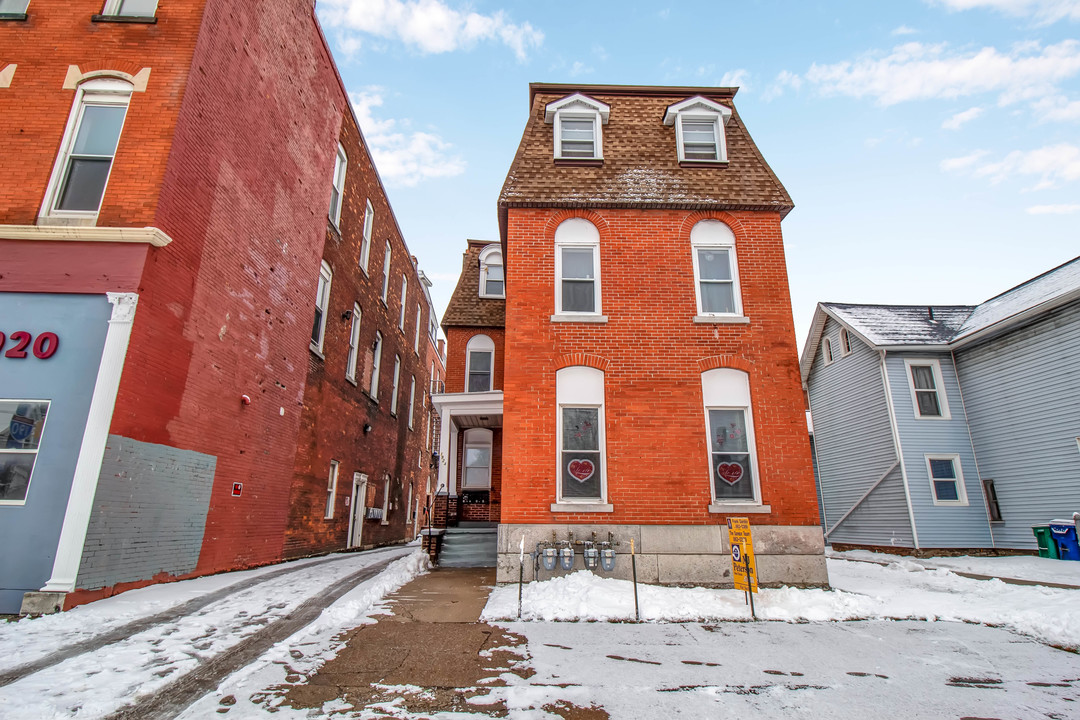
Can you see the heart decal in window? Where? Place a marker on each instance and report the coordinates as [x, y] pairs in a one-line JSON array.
[[582, 470], [729, 472]]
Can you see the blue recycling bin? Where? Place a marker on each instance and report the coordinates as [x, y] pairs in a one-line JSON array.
[[1064, 535]]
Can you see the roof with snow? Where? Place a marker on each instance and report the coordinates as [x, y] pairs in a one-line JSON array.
[[902, 324], [640, 166]]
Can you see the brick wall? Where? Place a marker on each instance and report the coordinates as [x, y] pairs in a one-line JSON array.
[[457, 338], [336, 410], [653, 355]]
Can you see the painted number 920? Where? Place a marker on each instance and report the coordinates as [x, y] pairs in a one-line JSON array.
[[44, 346]]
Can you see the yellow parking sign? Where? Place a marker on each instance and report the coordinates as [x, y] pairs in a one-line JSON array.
[[743, 562]]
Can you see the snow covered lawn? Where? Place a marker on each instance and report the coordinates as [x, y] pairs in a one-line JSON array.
[[1019, 567]]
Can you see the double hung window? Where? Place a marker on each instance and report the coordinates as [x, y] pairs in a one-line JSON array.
[[365, 240], [826, 348], [492, 283], [404, 294], [699, 138], [477, 464], [130, 8], [699, 129], [924, 377], [480, 363], [845, 342], [354, 345], [578, 122], [386, 273], [331, 490], [577, 268], [13, 7], [22, 423], [412, 399], [715, 270], [322, 304], [582, 470], [416, 331], [397, 377], [376, 361], [946, 479], [337, 190], [731, 450]]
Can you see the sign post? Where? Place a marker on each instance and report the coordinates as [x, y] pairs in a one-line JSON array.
[[521, 572], [743, 563], [633, 566]]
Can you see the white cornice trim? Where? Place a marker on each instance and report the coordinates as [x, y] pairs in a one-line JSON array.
[[603, 109], [75, 233]]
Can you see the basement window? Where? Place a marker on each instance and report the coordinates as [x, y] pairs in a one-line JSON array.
[[22, 423]]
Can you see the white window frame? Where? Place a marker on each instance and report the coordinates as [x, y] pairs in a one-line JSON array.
[[699, 109], [416, 335], [113, 7], [961, 491], [578, 107], [35, 452], [939, 388], [404, 296], [337, 191], [577, 234], [489, 257], [25, 5], [845, 342], [365, 241], [412, 400], [479, 344], [409, 519], [826, 348], [386, 274], [385, 520], [715, 235], [102, 91], [476, 438], [579, 386], [397, 379], [331, 490], [322, 303], [354, 345], [376, 362], [729, 389]]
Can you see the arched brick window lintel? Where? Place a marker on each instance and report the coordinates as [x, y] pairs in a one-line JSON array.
[[715, 362], [697, 216], [569, 213], [581, 359]]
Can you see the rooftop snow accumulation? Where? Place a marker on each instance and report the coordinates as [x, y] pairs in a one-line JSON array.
[[903, 324]]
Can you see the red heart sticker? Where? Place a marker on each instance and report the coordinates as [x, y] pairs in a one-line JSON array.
[[729, 472], [582, 470]]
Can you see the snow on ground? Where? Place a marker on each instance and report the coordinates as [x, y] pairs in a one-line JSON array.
[[1017, 567], [94, 684], [900, 590]]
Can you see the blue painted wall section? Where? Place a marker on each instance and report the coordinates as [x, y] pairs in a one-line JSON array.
[[29, 533], [149, 513]]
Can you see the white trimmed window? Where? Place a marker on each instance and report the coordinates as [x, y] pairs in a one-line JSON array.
[[732, 453], [386, 274], [578, 121], [826, 348], [699, 129], [13, 7], [412, 399], [416, 334], [331, 490], [397, 377], [22, 423], [376, 361], [81, 172], [476, 468], [386, 502], [492, 279], [337, 191], [927, 389], [354, 345], [845, 342], [577, 268], [433, 327], [479, 364], [582, 457], [404, 294], [365, 241], [130, 8], [322, 305], [716, 273], [946, 479]]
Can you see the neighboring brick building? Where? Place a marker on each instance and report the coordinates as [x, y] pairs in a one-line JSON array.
[[166, 186], [651, 378]]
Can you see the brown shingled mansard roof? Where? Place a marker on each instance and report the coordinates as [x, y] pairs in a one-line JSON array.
[[641, 167], [466, 307]]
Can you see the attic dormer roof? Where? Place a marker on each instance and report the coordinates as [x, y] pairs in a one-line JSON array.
[[577, 101], [696, 103]]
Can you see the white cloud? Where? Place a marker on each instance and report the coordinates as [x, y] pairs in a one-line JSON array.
[[736, 78], [403, 158], [579, 68], [1042, 11], [1054, 209], [430, 26], [917, 71], [904, 30], [961, 118], [784, 79], [1051, 164], [1057, 108]]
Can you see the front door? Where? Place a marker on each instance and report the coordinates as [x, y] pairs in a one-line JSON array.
[[359, 499]]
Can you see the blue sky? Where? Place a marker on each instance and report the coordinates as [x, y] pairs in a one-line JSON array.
[[932, 147]]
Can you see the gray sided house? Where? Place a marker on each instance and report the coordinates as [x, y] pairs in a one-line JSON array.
[[948, 427]]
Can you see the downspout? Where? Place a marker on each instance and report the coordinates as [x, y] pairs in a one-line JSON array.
[[899, 448], [975, 457]]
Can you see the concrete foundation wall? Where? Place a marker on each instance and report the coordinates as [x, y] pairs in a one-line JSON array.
[[676, 554]]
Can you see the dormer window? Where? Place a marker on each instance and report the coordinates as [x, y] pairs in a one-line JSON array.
[[492, 279], [699, 129], [578, 122]]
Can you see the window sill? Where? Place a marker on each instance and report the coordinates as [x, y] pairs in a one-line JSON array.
[[16, 17], [582, 162], [68, 220], [738, 508], [316, 351], [136, 19], [933, 417], [351, 381], [579, 318], [567, 507], [722, 319], [702, 163]]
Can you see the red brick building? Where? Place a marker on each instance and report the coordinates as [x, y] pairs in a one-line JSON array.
[[170, 184], [651, 385]]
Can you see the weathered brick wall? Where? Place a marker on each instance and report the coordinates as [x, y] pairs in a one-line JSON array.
[[653, 355], [457, 338], [335, 410], [34, 110], [149, 513]]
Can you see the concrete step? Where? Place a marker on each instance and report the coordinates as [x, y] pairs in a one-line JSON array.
[[469, 547]]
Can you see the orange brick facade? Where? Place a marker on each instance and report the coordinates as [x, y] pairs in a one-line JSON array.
[[652, 354]]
